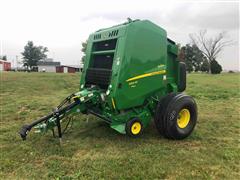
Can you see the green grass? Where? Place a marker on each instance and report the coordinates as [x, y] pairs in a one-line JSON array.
[[92, 150]]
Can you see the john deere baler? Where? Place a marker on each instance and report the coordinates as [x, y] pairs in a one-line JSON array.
[[131, 75]]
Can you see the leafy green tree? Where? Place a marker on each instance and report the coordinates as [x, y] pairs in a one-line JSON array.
[[188, 58], [205, 66], [197, 58], [32, 54], [183, 56], [215, 67], [4, 58], [84, 48], [181, 52], [192, 56]]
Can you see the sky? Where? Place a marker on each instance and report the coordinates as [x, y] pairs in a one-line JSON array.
[[62, 25]]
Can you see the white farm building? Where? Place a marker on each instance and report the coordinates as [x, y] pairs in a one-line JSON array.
[[47, 66]]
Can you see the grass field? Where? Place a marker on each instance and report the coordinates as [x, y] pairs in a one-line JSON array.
[[92, 150]]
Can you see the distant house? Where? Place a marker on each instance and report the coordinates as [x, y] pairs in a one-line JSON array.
[[47, 66], [5, 65], [66, 69], [80, 66]]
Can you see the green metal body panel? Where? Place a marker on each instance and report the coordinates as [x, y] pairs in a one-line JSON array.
[[144, 69]]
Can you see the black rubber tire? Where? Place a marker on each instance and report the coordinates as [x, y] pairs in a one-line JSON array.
[[129, 126], [182, 77], [167, 113]]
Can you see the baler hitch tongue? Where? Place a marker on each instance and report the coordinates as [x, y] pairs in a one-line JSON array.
[[52, 119]]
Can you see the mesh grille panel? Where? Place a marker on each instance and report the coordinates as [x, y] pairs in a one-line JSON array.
[[98, 76]]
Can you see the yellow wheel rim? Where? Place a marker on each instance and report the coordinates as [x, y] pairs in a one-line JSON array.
[[136, 128], [183, 118]]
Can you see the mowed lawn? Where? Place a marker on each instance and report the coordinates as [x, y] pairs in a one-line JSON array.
[[92, 150]]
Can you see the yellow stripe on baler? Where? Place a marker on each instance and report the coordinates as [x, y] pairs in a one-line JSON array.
[[113, 103], [147, 75]]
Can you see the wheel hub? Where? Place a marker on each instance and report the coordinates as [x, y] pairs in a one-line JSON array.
[[183, 118], [136, 128]]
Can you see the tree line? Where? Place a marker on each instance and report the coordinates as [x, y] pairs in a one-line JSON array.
[[201, 54], [196, 61]]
